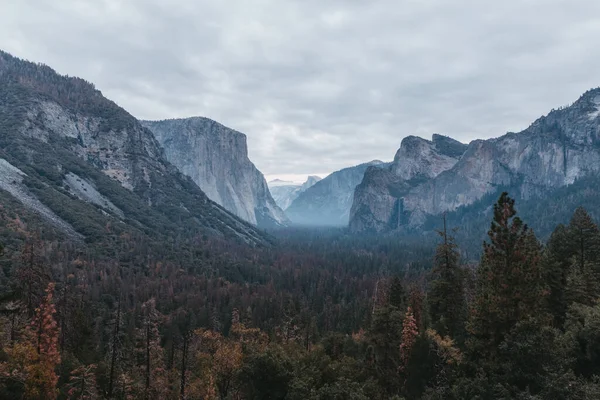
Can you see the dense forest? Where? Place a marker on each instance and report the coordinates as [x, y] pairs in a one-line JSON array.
[[317, 315]]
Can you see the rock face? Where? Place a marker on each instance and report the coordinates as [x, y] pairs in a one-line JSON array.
[[216, 158], [79, 159], [328, 202], [376, 205], [553, 152], [284, 193]]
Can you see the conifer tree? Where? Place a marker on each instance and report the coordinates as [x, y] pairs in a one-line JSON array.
[[446, 296], [584, 276], [397, 293], [585, 239], [556, 267], [510, 288]]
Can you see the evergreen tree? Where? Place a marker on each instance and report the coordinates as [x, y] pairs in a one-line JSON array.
[[585, 239], [510, 288], [397, 293], [556, 268], [510, 333], [446, 296]]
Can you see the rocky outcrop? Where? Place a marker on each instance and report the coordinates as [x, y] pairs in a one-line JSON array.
[[284, 193], [93, 165], [377, 203], [555, 151], [216, 158], [328, 202]]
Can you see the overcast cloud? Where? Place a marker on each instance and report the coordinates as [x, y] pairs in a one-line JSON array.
[[318, 85]]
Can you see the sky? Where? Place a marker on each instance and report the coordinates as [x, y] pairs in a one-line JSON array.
[[321, 85]]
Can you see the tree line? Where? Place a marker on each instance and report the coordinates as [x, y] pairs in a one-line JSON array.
[[312, 319]]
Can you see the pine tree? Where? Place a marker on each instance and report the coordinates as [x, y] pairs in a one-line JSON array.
[[510, 288], [446, 297], [397, 293], [585, 239], [556, 268], [584, 276]]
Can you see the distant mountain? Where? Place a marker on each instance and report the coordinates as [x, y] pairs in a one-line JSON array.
[[285, 193], [216, 158], [91, 169], [328, 202], [279, 182], [555, 152]]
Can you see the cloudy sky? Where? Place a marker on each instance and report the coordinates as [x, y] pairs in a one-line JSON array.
[[320, 85]]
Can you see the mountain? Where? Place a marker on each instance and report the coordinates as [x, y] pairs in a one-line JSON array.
[[328, 202], [90, 169], [216, 158], [285, 193], [375, 205], [555, 152], [280, 182]]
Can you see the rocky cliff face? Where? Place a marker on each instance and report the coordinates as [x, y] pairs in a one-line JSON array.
[[376, 206], [216, 158], [284, 193], [82, 161], [328, 202], [553, 152]]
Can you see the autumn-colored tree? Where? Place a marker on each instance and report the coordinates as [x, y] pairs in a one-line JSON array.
[[34, 358], [225, 356], [409, 337], [42, 377]]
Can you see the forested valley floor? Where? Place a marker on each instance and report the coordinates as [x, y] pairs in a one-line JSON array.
[[316, 314]]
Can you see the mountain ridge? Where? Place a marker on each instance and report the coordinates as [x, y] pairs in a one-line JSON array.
[[554, 151], [54, 126]]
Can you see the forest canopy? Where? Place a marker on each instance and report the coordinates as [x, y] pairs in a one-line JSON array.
[[318, 315]]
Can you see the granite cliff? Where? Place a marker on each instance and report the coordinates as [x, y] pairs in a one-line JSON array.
[[90, 168], [554, 152], [216, 158]]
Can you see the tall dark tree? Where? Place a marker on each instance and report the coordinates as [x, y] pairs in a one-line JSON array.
[[585, 238], [397, 293], [446, 297], [510, 288], [556, 268], [115, 350]]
